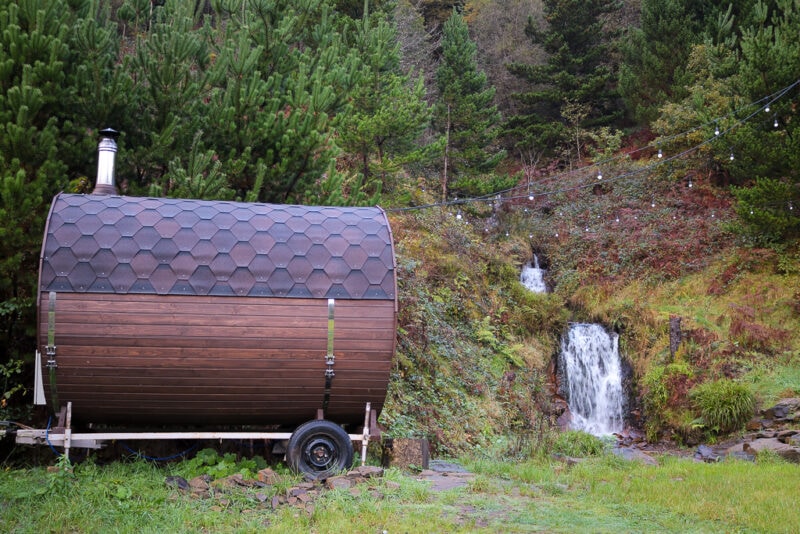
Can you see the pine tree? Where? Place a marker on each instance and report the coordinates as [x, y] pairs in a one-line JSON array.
[[578, 72], [768, 150], [389, 112], [465, 114], [655, 55], [286, 73], [46, 74]]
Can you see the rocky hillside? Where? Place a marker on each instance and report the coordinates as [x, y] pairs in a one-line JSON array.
[[476, 348]]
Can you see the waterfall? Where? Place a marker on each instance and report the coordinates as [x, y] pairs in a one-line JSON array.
[[532, 276], [591, 365]]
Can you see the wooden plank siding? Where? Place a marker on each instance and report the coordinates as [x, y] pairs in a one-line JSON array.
[[202, 360]]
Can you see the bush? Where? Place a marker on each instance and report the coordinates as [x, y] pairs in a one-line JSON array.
[[577, 443], [724, 405]]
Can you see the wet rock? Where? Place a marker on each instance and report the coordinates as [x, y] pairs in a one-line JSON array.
[[177, 482], [704, 453], [785, 451], [340, 482], [269, 477], [741, 455], [634, 454], [792, 439], [199, 485], [366, 471], [784, 410], [441, 466]]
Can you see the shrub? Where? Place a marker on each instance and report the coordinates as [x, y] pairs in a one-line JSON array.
[[724, 405], [578, 443]]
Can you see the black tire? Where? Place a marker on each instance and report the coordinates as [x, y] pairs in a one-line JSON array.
[[319, 449]]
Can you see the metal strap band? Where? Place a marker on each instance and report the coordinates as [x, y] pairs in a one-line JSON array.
[[50, 349], [329, 357]]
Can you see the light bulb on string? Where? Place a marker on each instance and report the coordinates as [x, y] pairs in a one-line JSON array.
[[458, 215], [690, 184], [506, 233], [599, 174], [775, 121], [791, 206], [660, 154], [530, 196], [716, 128], [731, 156], [766, 109], [653, 203]]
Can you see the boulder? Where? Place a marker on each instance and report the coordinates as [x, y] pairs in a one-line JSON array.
[[784, 410], [784, 450], [634, 454]]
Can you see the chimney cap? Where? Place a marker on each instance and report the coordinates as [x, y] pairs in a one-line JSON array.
[[109, 132]]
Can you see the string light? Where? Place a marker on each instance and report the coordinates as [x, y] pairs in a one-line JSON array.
[[766, 109], [690, 183], [628, 155]]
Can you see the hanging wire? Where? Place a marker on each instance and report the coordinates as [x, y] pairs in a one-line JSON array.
[[761, 105]]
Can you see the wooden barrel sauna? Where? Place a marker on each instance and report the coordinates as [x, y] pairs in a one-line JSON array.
[[173, 311]]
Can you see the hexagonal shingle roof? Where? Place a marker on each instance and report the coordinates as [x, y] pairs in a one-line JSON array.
[[114, 244]]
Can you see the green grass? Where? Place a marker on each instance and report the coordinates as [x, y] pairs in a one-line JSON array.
[[601, 494]]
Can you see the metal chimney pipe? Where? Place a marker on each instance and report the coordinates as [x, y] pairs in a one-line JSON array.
[[106, 153]]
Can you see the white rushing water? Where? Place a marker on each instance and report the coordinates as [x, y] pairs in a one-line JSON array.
[[590, 360], [532, 276]]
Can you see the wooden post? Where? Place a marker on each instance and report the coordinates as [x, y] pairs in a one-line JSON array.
[[674, 335]]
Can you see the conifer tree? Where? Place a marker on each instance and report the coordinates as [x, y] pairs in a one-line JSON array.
[[465, 114], [654, 57], [389, 112], [286, 73], [578, 73], [768, 150], [51, 54]]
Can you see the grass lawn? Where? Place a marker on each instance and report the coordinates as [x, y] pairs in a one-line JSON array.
[[600, 494]]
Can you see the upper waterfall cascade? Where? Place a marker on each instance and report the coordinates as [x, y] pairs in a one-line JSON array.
[[532, 276]]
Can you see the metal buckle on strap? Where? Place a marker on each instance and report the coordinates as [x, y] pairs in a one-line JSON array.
[[330, 359]]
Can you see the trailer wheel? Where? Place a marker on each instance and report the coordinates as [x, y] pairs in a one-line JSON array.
[[319, 449]]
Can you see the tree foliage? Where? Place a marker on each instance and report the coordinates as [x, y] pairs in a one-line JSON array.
[[465, 114], [575, 87]]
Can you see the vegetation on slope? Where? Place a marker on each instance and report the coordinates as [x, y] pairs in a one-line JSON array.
[[314, 104]]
